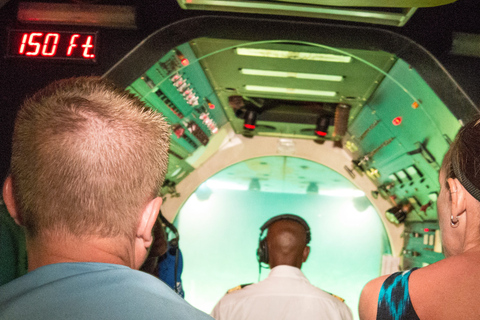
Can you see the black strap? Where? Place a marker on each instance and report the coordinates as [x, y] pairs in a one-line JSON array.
[[469, 186]]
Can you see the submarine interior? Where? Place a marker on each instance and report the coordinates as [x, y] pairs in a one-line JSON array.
[[344, 124]]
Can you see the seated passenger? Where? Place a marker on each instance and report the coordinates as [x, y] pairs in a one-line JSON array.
[[157, 249], [286, 293], [165, 260], [447, 289], [13, 254], [87, 162]]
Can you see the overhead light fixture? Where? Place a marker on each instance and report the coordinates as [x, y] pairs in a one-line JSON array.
[[250, 119], [368, 11], [291, 91], [312, 188], [254, 185], [109, 16], [361, 203], [281, 54], [323, 122], [203, 192], [285, 74]]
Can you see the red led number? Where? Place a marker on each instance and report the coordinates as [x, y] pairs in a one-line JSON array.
[[52, 43], [31, 42], [32, 45], [22, 46]]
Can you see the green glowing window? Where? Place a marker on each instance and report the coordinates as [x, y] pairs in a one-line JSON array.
[[219, 227]]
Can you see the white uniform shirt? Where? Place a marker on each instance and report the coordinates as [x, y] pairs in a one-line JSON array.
[[285, 294]]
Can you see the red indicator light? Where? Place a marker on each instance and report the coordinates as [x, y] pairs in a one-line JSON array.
[[211, 105], [181, 57], [397, 121], [426, 230], [249, 126], [321, 133]]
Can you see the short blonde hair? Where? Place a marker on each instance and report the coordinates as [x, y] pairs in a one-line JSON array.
[[86, 158]]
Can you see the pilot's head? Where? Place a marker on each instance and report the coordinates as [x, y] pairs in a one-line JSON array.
[[287, 243]]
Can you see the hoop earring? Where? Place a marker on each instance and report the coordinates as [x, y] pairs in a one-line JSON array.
[[454, 223]]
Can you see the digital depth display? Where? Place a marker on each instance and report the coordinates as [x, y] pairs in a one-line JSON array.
[[52, 45]]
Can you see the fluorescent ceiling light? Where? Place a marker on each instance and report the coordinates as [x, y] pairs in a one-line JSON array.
[[110, 16], [284, 74], [291, 91], [293, 55]]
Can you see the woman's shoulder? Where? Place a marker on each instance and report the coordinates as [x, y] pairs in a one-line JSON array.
[[367, 307], [445, 270], [429, 287], [433, 288]]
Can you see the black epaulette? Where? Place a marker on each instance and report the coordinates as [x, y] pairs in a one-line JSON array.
[[239, 287]]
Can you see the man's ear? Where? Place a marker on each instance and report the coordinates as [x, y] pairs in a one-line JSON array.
[[459, 196], [9, 200], [147, 220], [306, 252]]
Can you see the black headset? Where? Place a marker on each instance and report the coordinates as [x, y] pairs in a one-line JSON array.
[[262, 251], [173, 247]]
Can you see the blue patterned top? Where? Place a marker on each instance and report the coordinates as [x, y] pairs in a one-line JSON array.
[[394, 299]]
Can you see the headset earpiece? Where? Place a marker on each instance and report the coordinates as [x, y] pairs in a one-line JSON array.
[[262, 251]]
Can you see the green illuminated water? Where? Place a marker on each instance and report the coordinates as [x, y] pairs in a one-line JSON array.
[[219, 229]]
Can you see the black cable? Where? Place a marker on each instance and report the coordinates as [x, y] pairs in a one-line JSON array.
[[177, 289], [174, 245], [170, 226]]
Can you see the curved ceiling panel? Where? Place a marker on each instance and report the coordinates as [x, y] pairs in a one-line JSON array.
[[395, 13], [390, 107]]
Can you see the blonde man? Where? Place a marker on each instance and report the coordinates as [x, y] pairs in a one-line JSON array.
[[87, 161]]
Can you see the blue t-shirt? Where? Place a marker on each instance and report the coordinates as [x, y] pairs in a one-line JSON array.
[[92, 291], [169, 266]]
